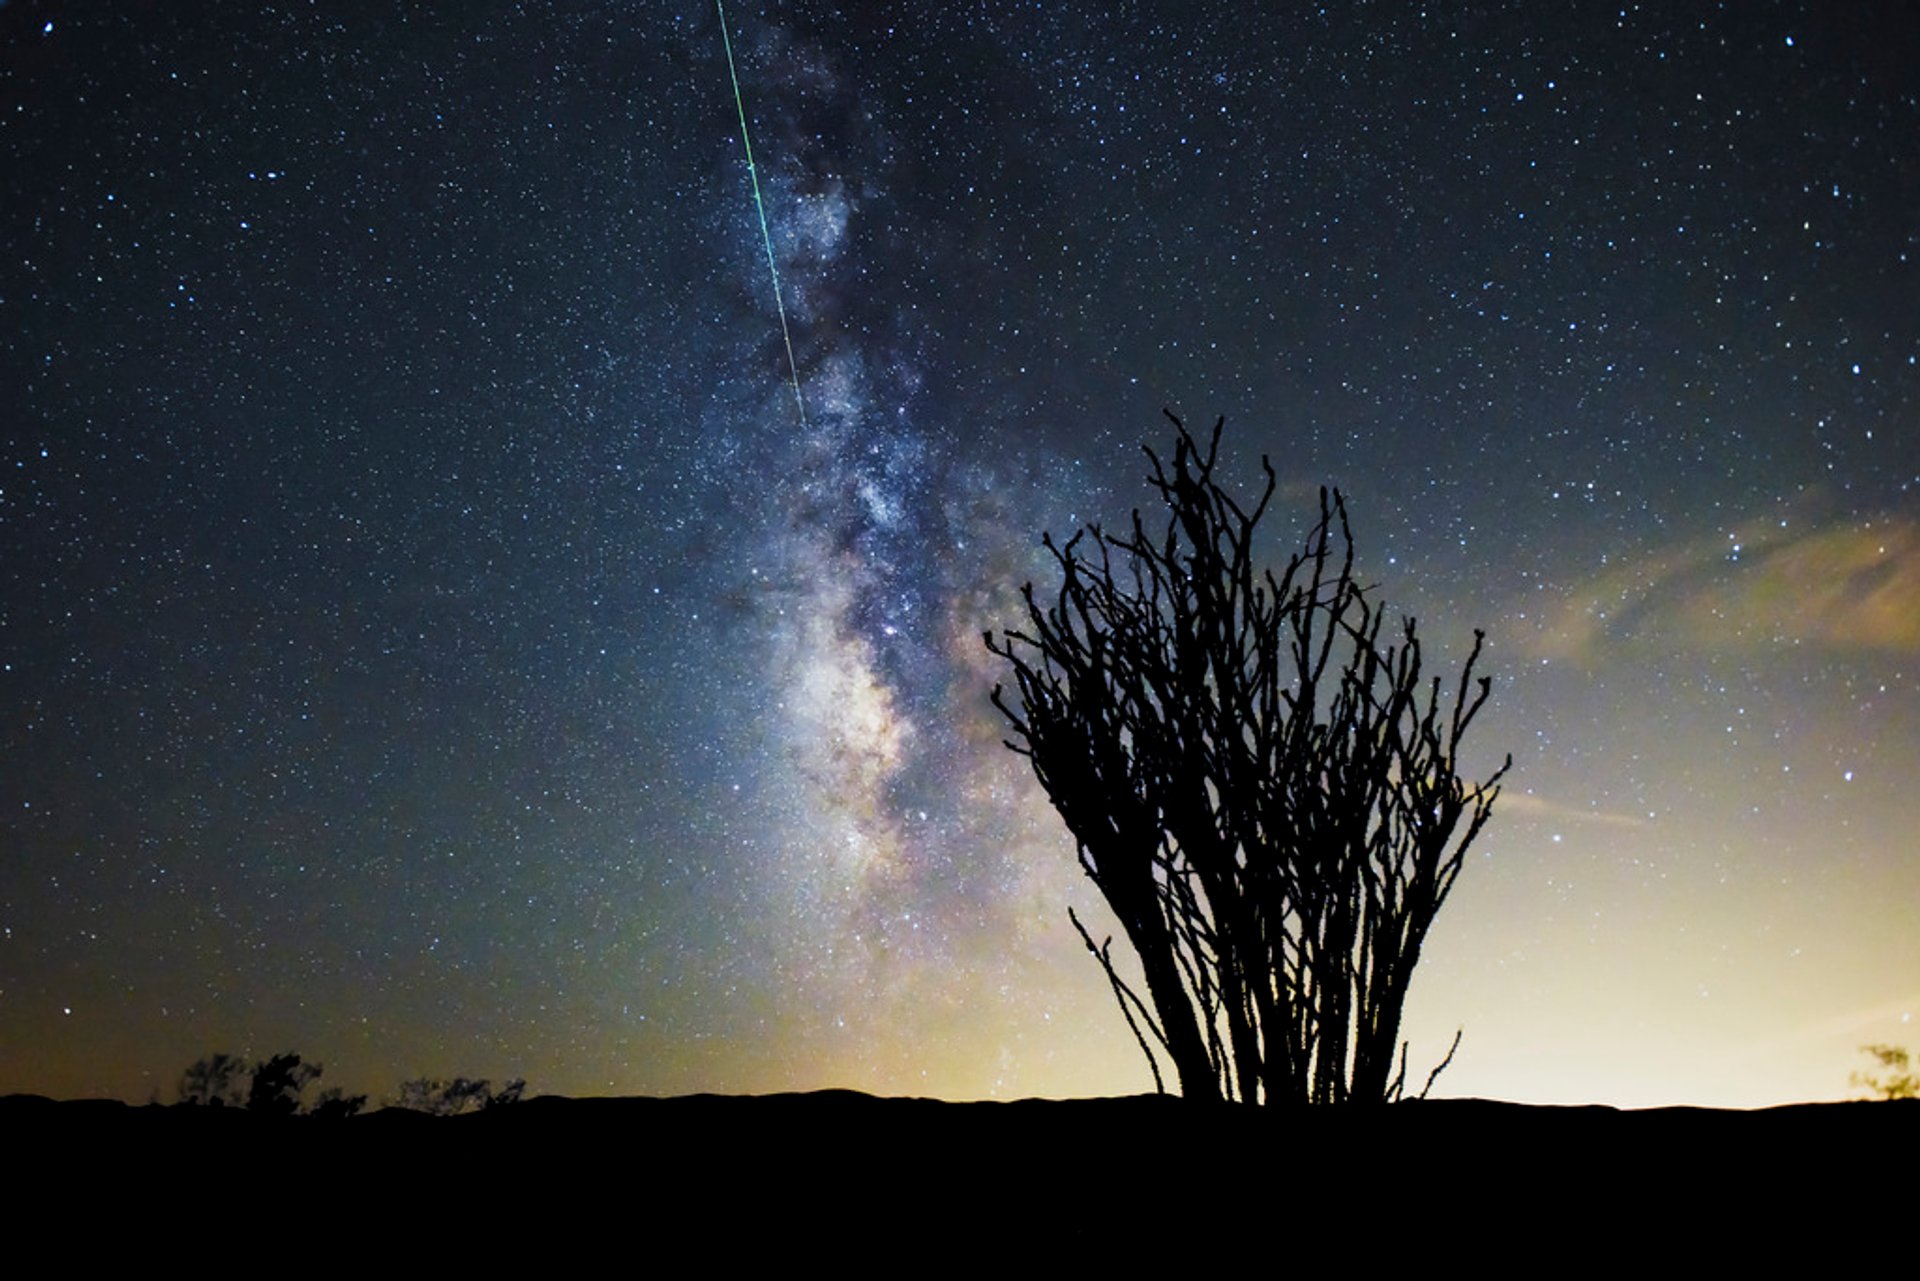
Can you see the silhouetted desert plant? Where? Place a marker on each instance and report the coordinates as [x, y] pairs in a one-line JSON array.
[[458, 1096], [271, 1087], [218, 1080], [1264, 787], [277, 1083], [335, 1104], [1896, 1078]]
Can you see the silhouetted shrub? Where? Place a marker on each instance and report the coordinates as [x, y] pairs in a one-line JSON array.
[[272, 1087], [277, 1083], [216, 1081], [1261, 778], [458, 1096], [334, 1104], [1897, 1080]]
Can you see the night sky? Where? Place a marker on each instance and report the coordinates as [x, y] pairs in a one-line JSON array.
[[431, 639]]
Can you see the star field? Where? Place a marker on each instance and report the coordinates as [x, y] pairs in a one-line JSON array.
[[430, 638]]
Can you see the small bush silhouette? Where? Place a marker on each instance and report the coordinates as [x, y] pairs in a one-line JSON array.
[[458, 1096], [271, 1087], [1895, 1080], [277, 1083], [336, 1105], [216, 1081]]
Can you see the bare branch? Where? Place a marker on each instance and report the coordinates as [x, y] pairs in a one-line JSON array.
[[1262, 786]]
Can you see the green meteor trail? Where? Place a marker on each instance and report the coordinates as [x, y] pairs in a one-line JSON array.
[[766, 236]]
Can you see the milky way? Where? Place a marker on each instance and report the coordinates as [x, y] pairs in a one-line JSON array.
[[434, 641]]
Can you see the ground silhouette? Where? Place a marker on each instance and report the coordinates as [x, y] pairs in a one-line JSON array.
[[846, 1176]]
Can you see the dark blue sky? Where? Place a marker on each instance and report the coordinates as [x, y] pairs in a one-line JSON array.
[[430, 639]]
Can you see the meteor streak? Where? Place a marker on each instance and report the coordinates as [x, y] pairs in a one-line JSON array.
[[753, 173]]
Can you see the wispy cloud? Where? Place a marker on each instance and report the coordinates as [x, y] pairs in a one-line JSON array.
[[1848, 586], [1530, 806]]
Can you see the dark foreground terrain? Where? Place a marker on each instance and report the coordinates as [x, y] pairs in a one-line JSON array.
[[838, 1175]]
